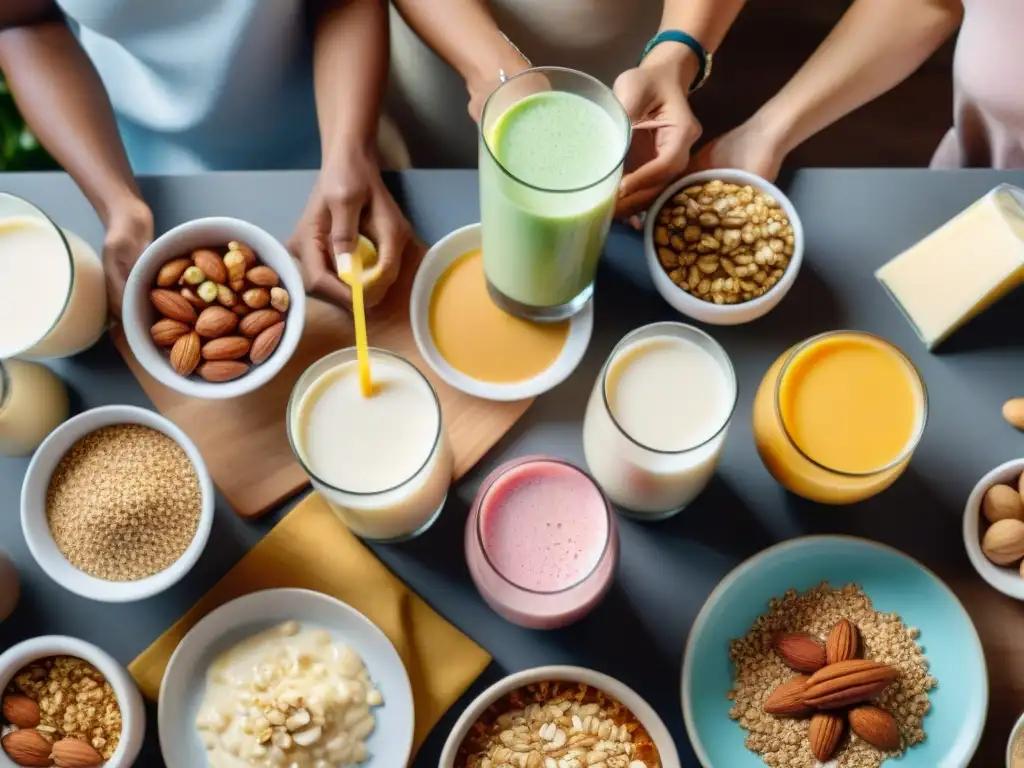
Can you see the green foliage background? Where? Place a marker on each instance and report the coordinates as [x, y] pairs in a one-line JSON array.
[[19, 149]]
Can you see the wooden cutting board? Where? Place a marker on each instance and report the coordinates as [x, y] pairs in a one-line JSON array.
[[244, 440]]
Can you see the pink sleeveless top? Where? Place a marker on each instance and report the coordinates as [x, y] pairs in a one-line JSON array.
[[988, 81]]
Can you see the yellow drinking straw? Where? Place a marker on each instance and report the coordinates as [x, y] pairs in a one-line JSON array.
[[354, 277]]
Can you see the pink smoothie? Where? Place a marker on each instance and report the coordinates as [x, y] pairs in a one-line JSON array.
[[541, 543]]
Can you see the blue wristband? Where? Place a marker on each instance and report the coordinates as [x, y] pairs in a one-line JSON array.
[[678, 36]]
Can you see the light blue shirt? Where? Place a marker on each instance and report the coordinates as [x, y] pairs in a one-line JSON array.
[[200, 85]]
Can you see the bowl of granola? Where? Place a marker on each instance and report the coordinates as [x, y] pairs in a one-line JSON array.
[[569, 715], [66, 702], [833, 648]]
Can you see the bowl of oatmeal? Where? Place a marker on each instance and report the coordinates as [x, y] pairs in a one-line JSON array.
[[568, 715], [285, 677], [833, 645]]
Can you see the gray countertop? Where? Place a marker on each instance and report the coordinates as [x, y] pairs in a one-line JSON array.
[[854, 221]]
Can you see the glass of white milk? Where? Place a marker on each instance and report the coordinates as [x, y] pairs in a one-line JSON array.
[[383, 462], [657, 418], [56, 299]]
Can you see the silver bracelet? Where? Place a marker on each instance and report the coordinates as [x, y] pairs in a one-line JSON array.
[[502, 77]]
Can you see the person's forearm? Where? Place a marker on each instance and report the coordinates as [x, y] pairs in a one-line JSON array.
[[464, 34], [876, 45], [350, 63], [63, 101]]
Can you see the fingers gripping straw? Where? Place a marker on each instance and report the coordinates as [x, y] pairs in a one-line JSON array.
[[350, 270]]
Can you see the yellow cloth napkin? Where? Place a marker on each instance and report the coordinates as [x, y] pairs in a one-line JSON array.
[[310, 548]]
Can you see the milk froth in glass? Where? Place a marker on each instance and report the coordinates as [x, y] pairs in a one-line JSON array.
[[383, 462], [658, 417], [55, 301]]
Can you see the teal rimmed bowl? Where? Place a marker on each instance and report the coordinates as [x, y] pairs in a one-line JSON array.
[[895, 583]]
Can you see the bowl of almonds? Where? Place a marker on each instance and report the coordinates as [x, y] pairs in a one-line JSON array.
[[563, 716], [214, 308], [723, 246], [65, 702], [993, 528]]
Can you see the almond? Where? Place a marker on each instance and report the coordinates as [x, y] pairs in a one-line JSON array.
[[226, 348], [876, 726], [1013, 412], [843, 642], [185, 354], [263, 346], [166, 331], [212, 265], [256, 298], [788, 699], [226, 296], [241, 310], [262, 276], [848, 682], [193, 298], [21, 711], [1002, 502], [217, 371], [279, 299], [800, 651], [246, 251], [216, 321], [254, 324], [172, 305], [171, 272], [27, 748], [825, 732], [1003, 542], [75, 753]]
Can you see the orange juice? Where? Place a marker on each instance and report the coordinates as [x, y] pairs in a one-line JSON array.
[[837, 417]]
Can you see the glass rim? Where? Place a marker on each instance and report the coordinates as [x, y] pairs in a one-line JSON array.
[[915, 438], [483, 493], [71, 274], [5, 386], [293, 442], [563, 70], [628, 338]]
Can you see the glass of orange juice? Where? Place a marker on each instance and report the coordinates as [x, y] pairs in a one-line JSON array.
[[838, 416]]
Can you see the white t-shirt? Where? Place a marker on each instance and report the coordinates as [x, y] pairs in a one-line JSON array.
[[428, 99], [205, 84]]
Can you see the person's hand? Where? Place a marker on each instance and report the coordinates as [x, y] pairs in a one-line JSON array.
[[349, 198], [129, 231], [745, 147], [656, 92]]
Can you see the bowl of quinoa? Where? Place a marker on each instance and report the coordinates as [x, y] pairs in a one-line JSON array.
[[906, 618], [117, 504]]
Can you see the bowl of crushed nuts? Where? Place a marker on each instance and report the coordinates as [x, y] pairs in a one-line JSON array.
[[214, 308], [723, 246], [833, 648], [117, 504], [65, 702], [569, 715]]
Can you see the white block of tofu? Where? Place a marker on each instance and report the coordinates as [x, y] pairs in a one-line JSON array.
[[962, 268]]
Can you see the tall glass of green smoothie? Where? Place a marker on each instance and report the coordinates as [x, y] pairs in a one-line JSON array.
[[552, 145]]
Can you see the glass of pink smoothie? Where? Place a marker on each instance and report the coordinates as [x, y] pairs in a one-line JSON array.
[[541, 542]]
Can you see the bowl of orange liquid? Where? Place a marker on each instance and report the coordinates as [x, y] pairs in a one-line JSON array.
[[837, 417], [474, 345]]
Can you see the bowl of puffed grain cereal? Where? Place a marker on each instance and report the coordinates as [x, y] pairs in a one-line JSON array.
[[67, 702], [723, 246], [833, 650], [117, 504]]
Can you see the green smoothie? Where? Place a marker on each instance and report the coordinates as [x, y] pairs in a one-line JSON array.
[[549, 174]]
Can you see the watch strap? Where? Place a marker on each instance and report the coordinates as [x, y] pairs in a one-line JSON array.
[[678, 36]]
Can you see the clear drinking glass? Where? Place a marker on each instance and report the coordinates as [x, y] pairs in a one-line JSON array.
[[404, 510], [57, 302], [552, 146], [645, 482]]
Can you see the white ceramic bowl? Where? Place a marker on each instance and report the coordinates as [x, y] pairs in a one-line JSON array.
[[1018, 728], [138, 314], [705, 311], [184, 681], [438, 259], [133, 713], [1005, 578], [33, 506], [609, 685]]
